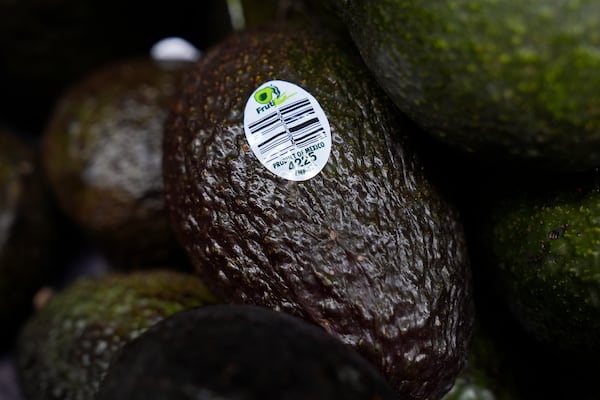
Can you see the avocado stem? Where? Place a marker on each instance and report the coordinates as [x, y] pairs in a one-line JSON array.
[[236, 14]]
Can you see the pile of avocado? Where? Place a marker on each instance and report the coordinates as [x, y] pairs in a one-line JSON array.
[[365, 199]]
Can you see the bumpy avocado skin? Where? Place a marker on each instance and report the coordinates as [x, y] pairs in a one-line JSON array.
[[367, 249], [64, 351], [27, 228], [544, 246], [510, 80], [102, 151], [240, 352]]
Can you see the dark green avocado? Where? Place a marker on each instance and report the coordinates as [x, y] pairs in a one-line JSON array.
[[545, 246], [27, 228], [515, 81], [235, 352], [64, 350], [101, 151], [367, 248]]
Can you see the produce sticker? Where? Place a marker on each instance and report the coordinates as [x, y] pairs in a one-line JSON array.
[[287, 130]]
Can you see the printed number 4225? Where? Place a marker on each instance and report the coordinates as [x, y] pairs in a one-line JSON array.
[[300, 160]]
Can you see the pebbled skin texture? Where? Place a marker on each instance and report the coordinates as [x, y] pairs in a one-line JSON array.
[[512, 81], [65, 349], [367, 248]]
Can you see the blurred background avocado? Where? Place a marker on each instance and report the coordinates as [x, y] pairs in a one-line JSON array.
[[47, 45]]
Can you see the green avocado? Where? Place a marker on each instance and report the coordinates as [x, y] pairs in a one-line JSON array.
[[101, 151], [27, 227], [367, 248], [64, 350], [545, 247], [511, 80], [231, 352]]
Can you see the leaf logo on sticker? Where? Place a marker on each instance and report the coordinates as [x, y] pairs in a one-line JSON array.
[[287, 130]]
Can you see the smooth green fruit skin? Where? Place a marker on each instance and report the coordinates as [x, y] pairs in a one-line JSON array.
[[546, 252], [512, 80], [367, 248], [64, 351]]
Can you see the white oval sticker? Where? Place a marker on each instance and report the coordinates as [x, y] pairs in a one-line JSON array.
[[287, 130]]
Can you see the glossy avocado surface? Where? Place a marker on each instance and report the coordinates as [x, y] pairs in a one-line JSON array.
[[240, 352], [367, 248], [64, 350]]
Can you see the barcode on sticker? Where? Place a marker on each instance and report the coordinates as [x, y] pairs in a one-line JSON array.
[[287, 130], [292, 125]]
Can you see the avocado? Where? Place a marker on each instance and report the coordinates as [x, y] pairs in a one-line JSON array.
[[101, 151], [543, 248], [338, 223], [27, 228], [64, 350], [240, 352], [508, 80]]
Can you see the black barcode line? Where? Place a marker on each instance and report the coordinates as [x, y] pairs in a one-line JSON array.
[[301, 114], [306, 139], [272, 127], [281, 152], [274, 121], [293, 105], [272, 138], [300, 126], [283, 139], [303, 125], [300, 129], [263, 122]]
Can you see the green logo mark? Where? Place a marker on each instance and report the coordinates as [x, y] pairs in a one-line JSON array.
[[270, 96], [265, 95]]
